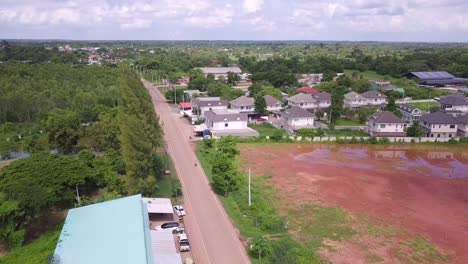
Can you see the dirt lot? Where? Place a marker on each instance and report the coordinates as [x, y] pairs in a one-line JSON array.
[[421, 191]]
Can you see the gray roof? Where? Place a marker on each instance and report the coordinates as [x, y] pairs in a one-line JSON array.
[[297, 112], [434, 75], [225, 117], [463, 119], [220, 70], [302, 98], [243, 101], [323, 96], [454, 99], [212, 103], [439, 118], [385, 117], [373, 94], [353, 95], [407, 108], [270, 100]]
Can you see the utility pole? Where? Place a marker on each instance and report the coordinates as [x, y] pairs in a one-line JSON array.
[[250, 198], [175, 94]]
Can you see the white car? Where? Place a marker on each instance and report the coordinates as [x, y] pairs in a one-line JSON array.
[[184, 245], [179, 210], [171, 226]]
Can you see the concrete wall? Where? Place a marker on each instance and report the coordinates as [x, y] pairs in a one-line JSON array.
[[231, 125], [391, 139]]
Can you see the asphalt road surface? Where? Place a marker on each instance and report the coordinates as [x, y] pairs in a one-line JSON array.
[[213, 238]]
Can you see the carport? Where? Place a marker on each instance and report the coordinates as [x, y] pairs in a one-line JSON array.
[[159, 209]]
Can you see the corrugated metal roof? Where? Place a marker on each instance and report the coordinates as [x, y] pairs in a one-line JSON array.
[[164, 248], [115, 232], [433, 75], [158, 205]]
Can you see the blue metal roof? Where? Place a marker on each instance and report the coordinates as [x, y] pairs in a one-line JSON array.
[[114, 232]]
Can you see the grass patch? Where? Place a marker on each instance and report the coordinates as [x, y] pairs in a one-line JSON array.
[[166, 183], [267, 129], [345, 133], [38, 251], [313, 224], [425, 106], [347, 122], [419, 250]]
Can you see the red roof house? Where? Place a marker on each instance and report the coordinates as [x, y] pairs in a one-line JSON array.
[[185, 105], [307, 90]]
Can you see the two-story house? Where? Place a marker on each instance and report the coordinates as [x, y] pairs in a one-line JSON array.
[[409, 114], [454, 104], [243, 104], [223, 120], [323, 100], [272, 104], [201, 105], [302, 100], [354, 100], [440, 125], [295, 118], [375, 98], [385, 124]]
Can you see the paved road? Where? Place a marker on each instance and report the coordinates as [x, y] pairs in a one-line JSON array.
[[213, 238]]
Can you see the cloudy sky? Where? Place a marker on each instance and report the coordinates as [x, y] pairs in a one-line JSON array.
[[381, 20]]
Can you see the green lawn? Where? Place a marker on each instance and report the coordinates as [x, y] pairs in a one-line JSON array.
[[425, 106], [345, 133], [38, 251], [165, 183], [346, 122], [266, 129]]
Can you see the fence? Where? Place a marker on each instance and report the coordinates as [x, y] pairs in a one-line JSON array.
[[390, 139]]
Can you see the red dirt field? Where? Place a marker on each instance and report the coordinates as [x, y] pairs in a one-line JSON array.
[[423, 189]]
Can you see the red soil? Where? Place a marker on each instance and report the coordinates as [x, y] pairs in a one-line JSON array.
[[423, 189]]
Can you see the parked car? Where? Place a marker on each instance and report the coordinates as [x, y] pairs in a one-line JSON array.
[[179, 210], [184, 244], [170, 226]]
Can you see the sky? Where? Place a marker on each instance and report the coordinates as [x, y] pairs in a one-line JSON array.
[[353, 20]]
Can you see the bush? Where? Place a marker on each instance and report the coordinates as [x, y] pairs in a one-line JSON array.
[[277, 135]]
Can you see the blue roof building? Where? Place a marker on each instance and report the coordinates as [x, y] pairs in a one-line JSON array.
[[114, 232]]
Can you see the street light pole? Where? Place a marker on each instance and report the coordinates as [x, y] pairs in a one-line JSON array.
[[250, 198]]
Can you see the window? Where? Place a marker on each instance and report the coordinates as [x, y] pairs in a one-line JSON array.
[[226, 124], [452, 126], [440, 126], [432, 135], [450, 135], [438, 135], [382, 126]]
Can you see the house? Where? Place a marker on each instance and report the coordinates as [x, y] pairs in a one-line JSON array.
[[302, 100], [221, 71], [310, 79], [437, 78], [462, 125], [354, 100], [225, 120], [295, 118], [385, 124], [115, 231], [409, 113], [307, 90], [243, 104], [439, 125], [272, 104], [323, 100], [375, 98], [454, 104], [201, 105]]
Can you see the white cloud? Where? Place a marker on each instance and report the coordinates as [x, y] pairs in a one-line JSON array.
[[252, 6], [136, 24], [215, 19]]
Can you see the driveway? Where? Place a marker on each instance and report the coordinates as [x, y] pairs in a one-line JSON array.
[[213, 237]]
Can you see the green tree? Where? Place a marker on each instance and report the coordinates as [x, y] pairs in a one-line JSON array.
[[62, 127], [328, 76], [9, 212], [260, 105], [233, 78], [260, 247], [415, 130], [224, 175]]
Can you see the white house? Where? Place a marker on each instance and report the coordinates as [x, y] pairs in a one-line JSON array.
[[243, 104], [203, 104], [295, 118], [223, 120], [302, 100], [409, 113], [272, 104], [354, 100], [322, 100], [385, 124], [222, 71], [456, 104], [375, 98], [439, 125]]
